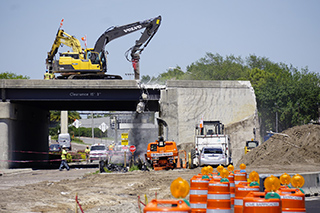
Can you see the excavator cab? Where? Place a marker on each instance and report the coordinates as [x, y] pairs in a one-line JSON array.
[[211, 128], [250, 145]]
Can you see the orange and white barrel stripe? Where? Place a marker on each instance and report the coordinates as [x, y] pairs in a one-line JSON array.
[[218, 200], [255, 202], [242, 190], [216, 178], [240, 177], [198, 194], [292, 200], [232, 187]]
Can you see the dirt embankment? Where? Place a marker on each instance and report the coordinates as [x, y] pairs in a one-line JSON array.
[[294, 150]]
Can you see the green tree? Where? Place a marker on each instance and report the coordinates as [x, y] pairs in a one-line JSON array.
[[280, 89], [56, 116], [172, 74], [86, 132], [10, 75], [215, 67]]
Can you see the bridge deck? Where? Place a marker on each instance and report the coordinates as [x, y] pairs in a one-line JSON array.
[[118, 95]]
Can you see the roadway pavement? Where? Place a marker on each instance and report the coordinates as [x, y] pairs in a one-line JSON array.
[[313, 204], [91, 141]]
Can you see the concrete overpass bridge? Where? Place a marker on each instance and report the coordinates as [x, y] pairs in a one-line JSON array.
[[24, 110], [107, 95]]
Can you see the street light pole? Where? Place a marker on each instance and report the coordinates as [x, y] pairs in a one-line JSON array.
[[277, 121], [116, 130], [92, 127]]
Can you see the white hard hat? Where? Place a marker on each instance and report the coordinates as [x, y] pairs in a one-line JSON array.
[[64, 146]]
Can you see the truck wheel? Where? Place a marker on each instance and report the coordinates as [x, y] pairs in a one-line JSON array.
[[149, 163]]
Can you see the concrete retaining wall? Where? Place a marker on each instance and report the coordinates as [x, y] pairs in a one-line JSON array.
[[184, 103]]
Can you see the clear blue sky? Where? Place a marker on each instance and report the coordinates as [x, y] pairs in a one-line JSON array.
[[285, 31]]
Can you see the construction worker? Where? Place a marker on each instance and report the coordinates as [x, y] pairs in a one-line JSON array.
[[51, 75], [111, 147], [64, 159], [87, 151], [47, 75]]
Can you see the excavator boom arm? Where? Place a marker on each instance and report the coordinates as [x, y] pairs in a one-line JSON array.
[[151, 26], [146, 36], [66, 39]]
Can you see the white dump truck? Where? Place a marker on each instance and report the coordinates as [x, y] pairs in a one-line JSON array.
[[211, 145]]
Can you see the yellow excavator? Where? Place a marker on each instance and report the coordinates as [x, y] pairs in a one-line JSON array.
[[91, 63]]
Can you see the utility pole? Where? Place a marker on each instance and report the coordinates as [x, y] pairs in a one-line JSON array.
[[318, 112], [92, 127], [276, 121], [116, 131]]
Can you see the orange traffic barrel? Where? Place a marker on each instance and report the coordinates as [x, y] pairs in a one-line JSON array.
[[260, 202], [198, 194], [216, 178], [218, 199], [292, 200], [232, 187], [240, 177], [214, 174], [242, 190], [167, 206]]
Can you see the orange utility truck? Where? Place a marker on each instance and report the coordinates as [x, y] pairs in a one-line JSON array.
[[162, 155]]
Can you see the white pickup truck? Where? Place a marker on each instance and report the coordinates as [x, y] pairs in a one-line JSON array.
[[211, 145], [98, 152]]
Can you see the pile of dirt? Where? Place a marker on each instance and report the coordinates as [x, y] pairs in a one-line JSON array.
[[295, 149]]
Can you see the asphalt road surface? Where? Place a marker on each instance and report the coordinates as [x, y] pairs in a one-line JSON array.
[[91, 141], [313, 204]]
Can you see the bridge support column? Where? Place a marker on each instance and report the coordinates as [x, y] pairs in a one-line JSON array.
[[23, 128], [6, 119], [64, 122]]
